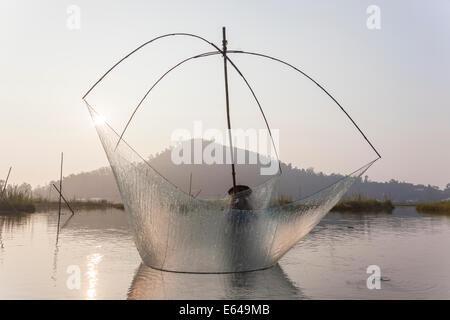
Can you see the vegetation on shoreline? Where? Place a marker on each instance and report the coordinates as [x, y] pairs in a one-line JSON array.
[[78, 204], [359, 203], [355, 204], [364, 205], [16, 199], [434, 207]]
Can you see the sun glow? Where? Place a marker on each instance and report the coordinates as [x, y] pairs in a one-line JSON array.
[[99, 119]]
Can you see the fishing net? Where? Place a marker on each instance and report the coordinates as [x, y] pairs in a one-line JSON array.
[[176, 231]]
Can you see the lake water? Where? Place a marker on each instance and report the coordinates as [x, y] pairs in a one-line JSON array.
[[411, 249]]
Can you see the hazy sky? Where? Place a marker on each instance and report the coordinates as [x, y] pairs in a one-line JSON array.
[[394, 81]]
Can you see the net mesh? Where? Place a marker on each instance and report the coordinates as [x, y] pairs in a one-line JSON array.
[[175, 231]]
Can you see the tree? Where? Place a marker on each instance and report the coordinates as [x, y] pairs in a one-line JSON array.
[[25, 189]]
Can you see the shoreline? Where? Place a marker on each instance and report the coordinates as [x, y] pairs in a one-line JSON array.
[[351, 206]]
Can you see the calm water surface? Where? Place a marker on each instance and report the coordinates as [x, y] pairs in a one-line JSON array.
[[330, 263]]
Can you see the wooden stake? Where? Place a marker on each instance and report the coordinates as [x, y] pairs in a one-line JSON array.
[[68, 205], [3, 191], [6, 182], [190, 183], [60, 196]]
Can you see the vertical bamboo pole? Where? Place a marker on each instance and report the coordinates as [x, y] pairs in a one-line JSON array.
[[60, 196], [227, 99], [190, 184]]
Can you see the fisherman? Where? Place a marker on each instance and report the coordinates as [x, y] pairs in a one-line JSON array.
[[239, 197]]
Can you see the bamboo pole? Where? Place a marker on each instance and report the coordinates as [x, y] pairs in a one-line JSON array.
[[3, 191], [190, 183], [6, 182], [60, 196], [68, 205], [227, 99]]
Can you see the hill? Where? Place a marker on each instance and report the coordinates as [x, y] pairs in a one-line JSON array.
[[294, 182]]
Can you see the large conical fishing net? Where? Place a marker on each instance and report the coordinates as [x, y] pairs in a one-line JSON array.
[[175, 230]]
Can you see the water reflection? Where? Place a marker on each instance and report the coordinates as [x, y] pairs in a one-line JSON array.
[[2, 246], [13, 222], [92, 274], [1, 235], [55, 262], [329, 263], [271, 283]]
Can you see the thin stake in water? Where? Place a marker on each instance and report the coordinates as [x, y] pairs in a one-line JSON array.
[[3, 191], [67, 203], [60, 196], [55, 255], [6, 182], [190, 183]]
